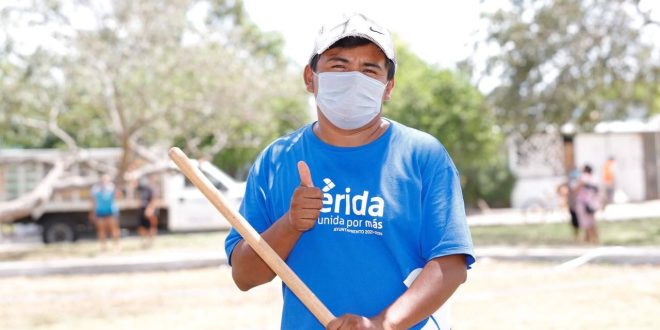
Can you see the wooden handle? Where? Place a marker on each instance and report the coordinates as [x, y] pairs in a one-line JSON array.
[[258, 244]]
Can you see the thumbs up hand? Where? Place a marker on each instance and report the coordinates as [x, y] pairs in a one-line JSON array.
[[306, 202], [305, 174]]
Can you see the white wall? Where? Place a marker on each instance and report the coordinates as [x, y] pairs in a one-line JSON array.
[[627, 149], [536, 192], [537, 163]]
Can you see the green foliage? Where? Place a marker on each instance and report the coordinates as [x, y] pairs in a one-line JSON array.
[[571, 61], [288, 114], [444, 104], [147, 73]]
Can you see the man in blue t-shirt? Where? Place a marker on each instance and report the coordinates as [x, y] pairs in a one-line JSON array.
[[368, 212]]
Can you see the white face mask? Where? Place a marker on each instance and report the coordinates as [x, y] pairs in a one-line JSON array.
[[349, 99]]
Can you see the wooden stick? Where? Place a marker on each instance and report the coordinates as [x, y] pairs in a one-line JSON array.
[[258, 244]]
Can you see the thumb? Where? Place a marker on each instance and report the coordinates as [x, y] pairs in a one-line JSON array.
[[305, 174]]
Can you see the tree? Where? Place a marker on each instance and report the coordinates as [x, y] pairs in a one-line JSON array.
[[141, 75], [445, 104], [576, 62]]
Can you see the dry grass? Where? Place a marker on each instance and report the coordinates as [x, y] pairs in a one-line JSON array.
[[131, 245], [496, 296], [196, 299], [627, 233], [536, 296], [645, 232]]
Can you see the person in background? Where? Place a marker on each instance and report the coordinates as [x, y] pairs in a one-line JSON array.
[[148, 211], [587, 204], [568, 192], [104, 212], [609, 180]]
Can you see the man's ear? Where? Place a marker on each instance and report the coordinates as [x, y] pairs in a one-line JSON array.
[[308, 77], [388, 90]]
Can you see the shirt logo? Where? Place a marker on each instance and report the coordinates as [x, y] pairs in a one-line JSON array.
[[348, 203], [352, 213], [328, 185]]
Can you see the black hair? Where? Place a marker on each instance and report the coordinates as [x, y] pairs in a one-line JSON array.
[[587, 169], [350, 42]]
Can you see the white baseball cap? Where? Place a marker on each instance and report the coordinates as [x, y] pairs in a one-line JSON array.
[[354, 25]]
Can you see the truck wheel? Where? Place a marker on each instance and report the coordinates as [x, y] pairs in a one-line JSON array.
[[57, 230]]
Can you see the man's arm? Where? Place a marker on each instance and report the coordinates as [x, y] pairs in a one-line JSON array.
[[435, 284], [248, 269]]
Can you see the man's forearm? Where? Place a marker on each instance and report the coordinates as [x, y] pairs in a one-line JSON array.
[[435, 284], [248, 269]]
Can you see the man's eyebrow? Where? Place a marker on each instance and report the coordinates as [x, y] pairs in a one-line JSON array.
[[373, 65], [338, 58]]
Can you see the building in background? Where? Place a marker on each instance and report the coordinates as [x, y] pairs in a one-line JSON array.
[[542, 162]]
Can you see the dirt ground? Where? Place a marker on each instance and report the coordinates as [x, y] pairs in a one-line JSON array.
[[497, 295]]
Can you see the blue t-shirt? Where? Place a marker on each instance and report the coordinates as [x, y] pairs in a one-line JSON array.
[[389, 207], [104, 197]]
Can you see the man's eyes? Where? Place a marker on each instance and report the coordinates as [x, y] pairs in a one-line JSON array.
[[367, 71]]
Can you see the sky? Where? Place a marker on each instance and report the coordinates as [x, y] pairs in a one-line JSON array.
[[440, 32]]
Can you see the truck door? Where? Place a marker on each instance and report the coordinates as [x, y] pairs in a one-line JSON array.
[[188, 209]]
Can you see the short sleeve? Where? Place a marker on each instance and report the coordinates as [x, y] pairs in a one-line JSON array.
[[445, 230], [253, 208]]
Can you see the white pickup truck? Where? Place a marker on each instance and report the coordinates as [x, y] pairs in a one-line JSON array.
[[64, 217]]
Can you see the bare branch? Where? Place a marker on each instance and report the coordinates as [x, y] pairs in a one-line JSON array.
[[109, 94], [646, 15], [23, 206], [193, 145], [220, 143], [158, 167], [142, 151], [101, 167], [158, 112], [75, 182], [54, 128], [50, 126]]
